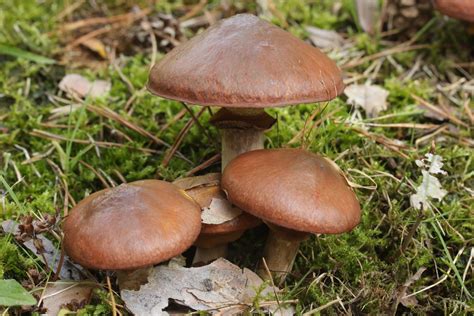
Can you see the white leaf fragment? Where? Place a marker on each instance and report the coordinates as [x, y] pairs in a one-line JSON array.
[[371, 98], [218, 287], [434, 163], [430, 186], [77, 84], [219, 211]]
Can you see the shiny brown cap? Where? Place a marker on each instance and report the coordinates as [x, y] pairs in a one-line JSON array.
[[244, 61], [458, 9], [292, 188], [131, 226]]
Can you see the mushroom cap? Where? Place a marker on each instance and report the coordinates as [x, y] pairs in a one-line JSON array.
[[131, 226], [244, 61], [292, 188], [458, 9]]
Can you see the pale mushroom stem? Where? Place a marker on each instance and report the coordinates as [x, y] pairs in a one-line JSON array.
[[280, 252], [235, 141], [205, 255], [279, 257]]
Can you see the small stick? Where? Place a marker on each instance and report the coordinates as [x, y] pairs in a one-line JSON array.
[[112, 298]]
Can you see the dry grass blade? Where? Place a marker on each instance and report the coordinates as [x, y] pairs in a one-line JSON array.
[[128, 17], [97, 174], [43, 134], [438, 110], [108, 113], [209, 162], [391, 51], [176, 118], [388, 143], [179, 139]]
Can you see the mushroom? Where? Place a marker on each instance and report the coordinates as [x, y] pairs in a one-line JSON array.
[[213, 239], [131, 226], [244, 65], [458, 9], [296, 193]]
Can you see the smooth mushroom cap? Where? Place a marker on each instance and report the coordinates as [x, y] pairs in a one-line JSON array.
[[131, 226], [458, 9], [292, 188], [244, 61]]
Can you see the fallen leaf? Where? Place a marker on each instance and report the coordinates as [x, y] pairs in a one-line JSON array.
[[216, 287], [77, 84], [220, 211], [372, 98], [52, 255], [197, 181], [368, 14], [58, 294], [96, 46], [324, 38], [430, 186], [402, 293], [434, 163]]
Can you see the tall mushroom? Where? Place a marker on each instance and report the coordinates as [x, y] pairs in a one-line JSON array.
[[458, 9], [230, 225], [296, 193], [244, 65], [131, 226]]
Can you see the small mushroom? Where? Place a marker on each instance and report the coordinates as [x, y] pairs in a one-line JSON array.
[[213, 239], [458, 9], [296, 193], [131, 226], [244, 65]]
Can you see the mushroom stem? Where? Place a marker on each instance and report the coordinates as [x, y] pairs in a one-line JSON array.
[[205, 255], [279, 256], [242, 130], [280, 252]]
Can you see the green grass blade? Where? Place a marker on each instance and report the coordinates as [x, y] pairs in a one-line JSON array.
[[19, 53]]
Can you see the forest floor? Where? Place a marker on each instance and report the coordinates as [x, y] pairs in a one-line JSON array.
[[401, 259]]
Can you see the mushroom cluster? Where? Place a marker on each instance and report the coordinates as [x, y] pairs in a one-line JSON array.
[[242, 65]]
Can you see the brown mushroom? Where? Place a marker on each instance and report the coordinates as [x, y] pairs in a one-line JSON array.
[[458, 9], [245, 64], [131, 226], [213, 238], [296, 193]]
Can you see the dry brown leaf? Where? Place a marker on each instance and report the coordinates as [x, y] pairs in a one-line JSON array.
[[219, 211], [193, 182], [324, 38], [402, 293], [58, 294], [96, 46], [218, 287], [80, 86]]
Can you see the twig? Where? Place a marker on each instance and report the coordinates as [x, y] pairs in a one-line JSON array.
[[204, 165], [179, 139]]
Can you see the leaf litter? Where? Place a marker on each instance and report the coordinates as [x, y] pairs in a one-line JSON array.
[[82, 87], [430, 187], [371, 98], [219, 288]]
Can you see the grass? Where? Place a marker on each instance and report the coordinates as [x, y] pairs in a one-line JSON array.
[[364, 270]]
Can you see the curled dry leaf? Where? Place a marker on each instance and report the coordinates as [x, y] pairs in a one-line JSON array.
[[402, 293], [60, 294], [218, 287], [193, 182], [82, 87], [372, 98], [324, 38], [220, 211]]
